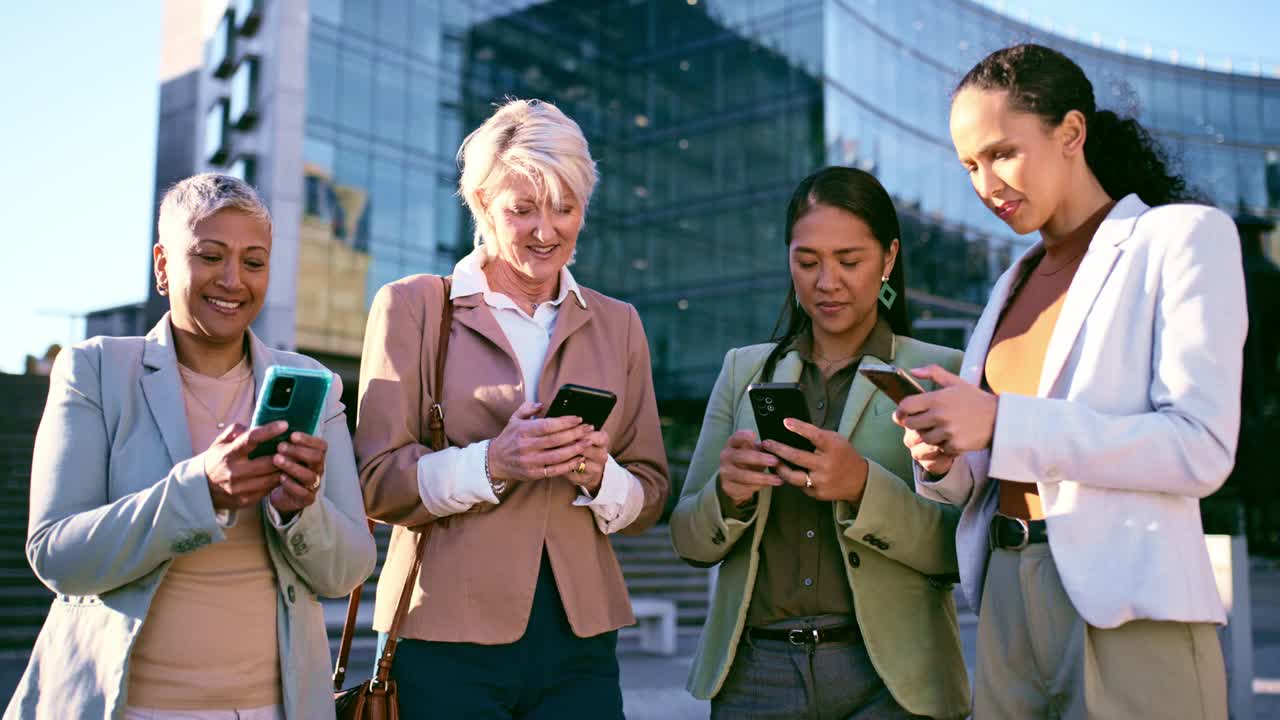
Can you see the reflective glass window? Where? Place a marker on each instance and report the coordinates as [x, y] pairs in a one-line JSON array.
[[215, 134], [221, 47], [355, 111], [244, 94], [389, 99], [357, 15], [1218, 109], [1253, 179], [1248, 114], [424, 110], [244, 167], [387, 200], [425, 33], [393, 22], [322, 79], [327, 10], [1271, 118]]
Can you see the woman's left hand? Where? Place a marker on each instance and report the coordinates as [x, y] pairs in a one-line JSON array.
[[592, 463], [833, 471], [301, 461]]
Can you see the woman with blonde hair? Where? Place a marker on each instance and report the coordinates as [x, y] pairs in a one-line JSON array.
[[187, 571], [515, 610]]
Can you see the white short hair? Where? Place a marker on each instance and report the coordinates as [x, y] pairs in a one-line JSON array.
[[531, 139], [190, 201]]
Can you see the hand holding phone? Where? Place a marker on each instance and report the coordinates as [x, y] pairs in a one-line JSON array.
[[532, 448], [745, 468]]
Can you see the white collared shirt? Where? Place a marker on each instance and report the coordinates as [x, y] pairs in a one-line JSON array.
[[453, 480]]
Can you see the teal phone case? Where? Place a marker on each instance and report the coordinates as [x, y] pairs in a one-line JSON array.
[[302, 406]]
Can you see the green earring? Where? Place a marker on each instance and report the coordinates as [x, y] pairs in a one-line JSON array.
[[887, 294]]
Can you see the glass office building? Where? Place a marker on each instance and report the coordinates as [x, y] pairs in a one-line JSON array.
[[702, 114]]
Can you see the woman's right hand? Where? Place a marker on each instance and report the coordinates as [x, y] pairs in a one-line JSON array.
[[533, 448], [933, 459], [743, 467], [235, 481]]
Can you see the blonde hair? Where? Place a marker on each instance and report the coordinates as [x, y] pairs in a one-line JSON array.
[[531, 139], [198, 197]]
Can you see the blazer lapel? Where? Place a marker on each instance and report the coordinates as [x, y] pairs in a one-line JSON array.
[[1088, 282], [975, 356], [472, 312], [1092, 274], [571, 318], [162, 388], [261, 358], [860, 393]]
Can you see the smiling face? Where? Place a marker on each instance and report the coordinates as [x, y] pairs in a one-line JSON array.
[[1020, 168], [836, 267], [534, 237], [216, 276]]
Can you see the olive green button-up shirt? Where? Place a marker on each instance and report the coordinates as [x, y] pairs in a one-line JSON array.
[[801, 571]]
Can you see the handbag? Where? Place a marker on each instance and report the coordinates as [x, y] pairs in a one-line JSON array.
[[377, 699]]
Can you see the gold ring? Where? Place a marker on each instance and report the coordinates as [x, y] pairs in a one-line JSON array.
[[808, 481], [582, 467], [315, 485], [544, 472]]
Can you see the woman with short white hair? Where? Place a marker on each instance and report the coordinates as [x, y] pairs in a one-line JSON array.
[[515, 611], [187, 571]]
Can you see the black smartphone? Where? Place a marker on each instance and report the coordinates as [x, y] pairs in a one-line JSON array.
[[293, 394], [591, 404], [892, 381], [774, 402]]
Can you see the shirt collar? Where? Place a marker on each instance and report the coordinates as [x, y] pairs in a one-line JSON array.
[[469, 279], [879, 344]]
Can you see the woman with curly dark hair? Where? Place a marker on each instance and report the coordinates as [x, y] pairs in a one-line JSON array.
[[1098, 401]]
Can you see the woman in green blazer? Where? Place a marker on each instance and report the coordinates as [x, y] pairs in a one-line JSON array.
[[833, 598]]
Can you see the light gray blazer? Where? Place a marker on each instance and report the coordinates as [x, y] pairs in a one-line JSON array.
[[1134, 421], [116, 495]]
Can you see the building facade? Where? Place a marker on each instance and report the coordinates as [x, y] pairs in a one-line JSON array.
[[702, 114]]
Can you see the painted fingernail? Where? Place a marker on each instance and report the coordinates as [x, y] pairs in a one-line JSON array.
[[278, 459], [296, 437]]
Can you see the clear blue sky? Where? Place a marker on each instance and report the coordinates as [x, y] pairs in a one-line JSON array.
[[78, 123]]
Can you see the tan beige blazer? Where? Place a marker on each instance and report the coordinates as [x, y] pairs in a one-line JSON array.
[[480, 568]]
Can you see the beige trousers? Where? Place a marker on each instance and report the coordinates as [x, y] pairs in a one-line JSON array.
[[1038, 659]]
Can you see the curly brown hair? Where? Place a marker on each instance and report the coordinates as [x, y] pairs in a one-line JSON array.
[[1120, 152]]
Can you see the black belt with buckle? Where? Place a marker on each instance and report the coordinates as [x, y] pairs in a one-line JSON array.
[[1011, 533], [808, 636]]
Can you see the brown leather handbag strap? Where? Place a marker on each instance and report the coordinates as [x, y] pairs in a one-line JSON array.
[[438, 441], [348, 633]]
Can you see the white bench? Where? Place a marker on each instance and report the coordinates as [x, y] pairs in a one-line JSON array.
[[656, 623]]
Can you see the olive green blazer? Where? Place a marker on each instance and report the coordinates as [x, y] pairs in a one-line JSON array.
[[894, 542]]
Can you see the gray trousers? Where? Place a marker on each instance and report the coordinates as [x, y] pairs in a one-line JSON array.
[[775, 680]]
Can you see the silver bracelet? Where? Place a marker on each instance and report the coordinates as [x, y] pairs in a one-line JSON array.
[[498, 487]]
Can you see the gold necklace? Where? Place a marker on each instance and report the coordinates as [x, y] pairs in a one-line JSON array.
[[218, 418]]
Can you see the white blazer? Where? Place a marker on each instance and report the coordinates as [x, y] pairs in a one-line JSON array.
[[1135, 419]]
